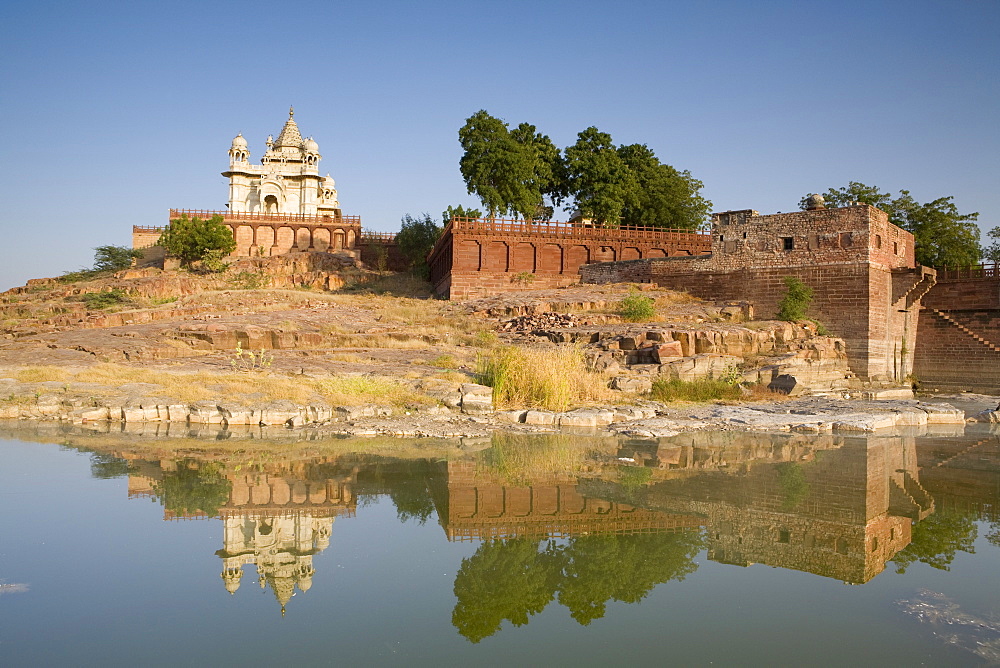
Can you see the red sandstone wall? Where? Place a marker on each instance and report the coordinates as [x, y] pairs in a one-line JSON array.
[[551, 252], [948, 358]]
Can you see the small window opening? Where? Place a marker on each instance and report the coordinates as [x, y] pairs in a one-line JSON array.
[[895, 248], [878, 241], [784, 536], [788, 243]]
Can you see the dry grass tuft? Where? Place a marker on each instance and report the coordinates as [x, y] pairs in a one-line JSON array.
[[551, 379], [41, 374]]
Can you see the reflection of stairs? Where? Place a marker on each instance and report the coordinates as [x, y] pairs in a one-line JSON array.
[[909, 499], [961, 452], [947, 318]]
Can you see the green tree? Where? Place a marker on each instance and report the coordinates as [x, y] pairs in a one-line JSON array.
[[511, 171], [459, 212], [942, 235], [599, 180], [194, 239], [114, 258], [992, 252], [417, 237], [666, 197], [543, 173]]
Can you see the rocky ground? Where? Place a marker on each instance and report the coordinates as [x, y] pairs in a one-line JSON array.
[[315, 340]]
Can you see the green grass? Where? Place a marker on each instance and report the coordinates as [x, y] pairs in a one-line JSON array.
[[637, 308], [697, 390]]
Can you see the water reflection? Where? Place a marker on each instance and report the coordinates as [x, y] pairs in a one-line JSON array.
[[580, 522]]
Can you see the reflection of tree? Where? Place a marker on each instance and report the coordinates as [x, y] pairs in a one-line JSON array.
[[502, 580], [190, 489], [412, 500], [598, 569], [105, 466], [794, 486], [937, 539], [511, 580]]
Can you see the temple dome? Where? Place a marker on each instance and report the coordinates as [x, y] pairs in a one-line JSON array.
[[310, 146], [239, 142]]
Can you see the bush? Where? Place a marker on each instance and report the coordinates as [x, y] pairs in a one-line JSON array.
[[797, 299], [192, 239], [104, 299], [636, 308], [416, 238]]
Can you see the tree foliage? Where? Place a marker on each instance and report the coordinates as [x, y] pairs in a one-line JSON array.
[[511, 171], [459, 212], [798, 297], [417, 237], [599, 180], [521, 172], [114, 258], [194, 239], [942, 235], [515, 579], [991, 253], [666, 197], [192, 488], [937, 539]]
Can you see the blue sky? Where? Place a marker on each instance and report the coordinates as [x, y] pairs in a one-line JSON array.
[[117, 111]]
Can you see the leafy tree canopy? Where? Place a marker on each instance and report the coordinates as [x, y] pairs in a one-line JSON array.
[[942, 235], [511, 171], [992, 252], [459, 212], [521, 172], [114, 258], [194, 239], [417, 237], [937, 539]]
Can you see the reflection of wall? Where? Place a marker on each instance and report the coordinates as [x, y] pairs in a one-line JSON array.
[[843, 515], [480, 507]]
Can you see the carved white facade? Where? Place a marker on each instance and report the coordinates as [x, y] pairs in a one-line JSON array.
[[287, 181]]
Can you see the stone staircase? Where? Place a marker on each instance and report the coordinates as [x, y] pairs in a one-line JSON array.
[[947, 318]]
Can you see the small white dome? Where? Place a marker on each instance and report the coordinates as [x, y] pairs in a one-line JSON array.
[[239, 141], [310, 146]]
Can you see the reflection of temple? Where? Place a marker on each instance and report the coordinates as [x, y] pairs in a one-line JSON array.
[[475, 506], [274, 520], [840, 513]]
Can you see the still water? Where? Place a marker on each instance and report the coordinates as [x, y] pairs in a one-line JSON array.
[[715, 548]]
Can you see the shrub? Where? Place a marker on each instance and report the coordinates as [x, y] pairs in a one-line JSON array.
[[114, 258], [104, 299], [795, 303], [636, 307], [192, 239], [416, 238]]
